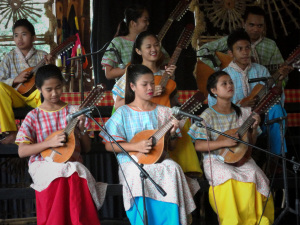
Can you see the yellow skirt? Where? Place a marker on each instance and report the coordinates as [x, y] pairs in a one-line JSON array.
[[184, 153], [239, 203]]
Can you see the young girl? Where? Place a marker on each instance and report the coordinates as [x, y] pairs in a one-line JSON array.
[[136, 20], [146, 51], [66, 193], [241, 192], [137, 115]]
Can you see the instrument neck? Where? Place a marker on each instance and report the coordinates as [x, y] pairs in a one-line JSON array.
[[246, 125], [165, 77], [164, 29], [71, 126], [163, 130]]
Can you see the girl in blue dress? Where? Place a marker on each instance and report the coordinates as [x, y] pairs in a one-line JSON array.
[[139, 114]]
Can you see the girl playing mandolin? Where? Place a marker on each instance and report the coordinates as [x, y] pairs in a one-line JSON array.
[[140, 114], [66, 193], [146, 51], [240, 193]]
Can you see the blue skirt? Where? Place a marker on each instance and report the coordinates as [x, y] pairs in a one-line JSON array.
[[159, 213]]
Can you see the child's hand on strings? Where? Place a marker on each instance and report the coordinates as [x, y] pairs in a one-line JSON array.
[[158, 90], [81, 123], [144, 146], [171, 70], [175, 123], [228, 142], [58, 140], [49, 59], [21, 78], [257, 121]]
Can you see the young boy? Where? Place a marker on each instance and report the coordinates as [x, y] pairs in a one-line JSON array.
[[12, 74], [240, 70]]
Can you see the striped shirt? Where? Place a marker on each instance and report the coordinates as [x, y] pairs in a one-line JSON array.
[[13, 64]]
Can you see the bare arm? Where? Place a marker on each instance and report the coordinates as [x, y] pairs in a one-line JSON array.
[[143, 146], [112, 73], [201, 145]]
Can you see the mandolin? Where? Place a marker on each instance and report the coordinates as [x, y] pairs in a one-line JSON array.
[[241, 153], [169, 85], [28, 87], [70, 151], [159, 139]]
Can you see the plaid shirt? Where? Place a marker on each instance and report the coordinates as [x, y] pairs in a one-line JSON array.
[[267, 51], [219, 122], [39, 124], [12, 65]]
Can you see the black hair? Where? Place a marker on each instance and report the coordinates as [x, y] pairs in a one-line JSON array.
[[133, 72], [24, 23], [131, 13], [135, 57], [212, 83], [46, 72], [235, 36], [255, 10]]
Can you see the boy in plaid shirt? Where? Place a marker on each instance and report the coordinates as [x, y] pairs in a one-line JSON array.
[[12, 74]]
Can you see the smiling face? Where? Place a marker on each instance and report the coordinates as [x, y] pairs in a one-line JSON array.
[[150, 49], [23, 38], [144, 87], [51, 90], [142, 23], [241, 53], [224, 88], [254, 26]]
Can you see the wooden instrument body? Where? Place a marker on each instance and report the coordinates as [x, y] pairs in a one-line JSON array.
[[27, 87], [240, 152], [167, 94], [69, 152], [157, 153], [202, 72], [160, 136], [254, 93]]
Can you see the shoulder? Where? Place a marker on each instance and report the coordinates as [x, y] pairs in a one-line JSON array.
[[121, 39], [258, 67], [9, 55], [41, 52], [269, 41], [32, 115], [164, 108]]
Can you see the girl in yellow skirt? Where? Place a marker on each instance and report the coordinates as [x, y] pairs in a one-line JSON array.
[[237, 194], [146, 51]]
